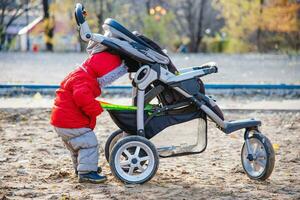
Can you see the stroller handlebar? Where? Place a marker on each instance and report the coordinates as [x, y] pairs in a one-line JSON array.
[[79, 10], [211, 69], [84, 29], [207, 68], [193, 72]]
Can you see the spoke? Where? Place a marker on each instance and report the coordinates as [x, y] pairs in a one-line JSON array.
[[127, 153], [141, 168], [250, 148], [260, 155], [255, 145], [144, 158], [137, 151], [256, 167], [130, 172], [124, 163], [261, 163], [252, 164]]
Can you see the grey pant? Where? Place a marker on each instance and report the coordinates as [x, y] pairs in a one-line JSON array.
[[83, 146]]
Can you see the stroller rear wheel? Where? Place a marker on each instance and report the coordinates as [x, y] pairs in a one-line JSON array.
[[134, 167], [260, 164], [111, 141]]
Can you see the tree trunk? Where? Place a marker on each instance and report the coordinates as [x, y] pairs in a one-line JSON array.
[[191, 24], [148, 6], [196, 33], [2, 37], [49, 26], [100, 16], [297, 45], [258, 35]]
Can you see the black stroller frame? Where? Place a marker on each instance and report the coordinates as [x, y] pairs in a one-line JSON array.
[[132, 157]]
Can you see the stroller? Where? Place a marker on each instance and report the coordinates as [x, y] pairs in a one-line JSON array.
[[170, 102]]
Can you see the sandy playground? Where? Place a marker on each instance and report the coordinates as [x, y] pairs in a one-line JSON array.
[[34, 163]]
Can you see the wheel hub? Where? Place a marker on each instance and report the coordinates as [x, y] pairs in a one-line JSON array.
[[250, 157], [134, 161]]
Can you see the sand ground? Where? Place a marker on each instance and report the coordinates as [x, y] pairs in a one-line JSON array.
[[35, 164]]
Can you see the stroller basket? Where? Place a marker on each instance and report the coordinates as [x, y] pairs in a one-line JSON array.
[[126, 120]]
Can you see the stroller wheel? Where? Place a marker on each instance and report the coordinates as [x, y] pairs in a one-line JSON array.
[[134, 160], [260, 165], [111, 141]]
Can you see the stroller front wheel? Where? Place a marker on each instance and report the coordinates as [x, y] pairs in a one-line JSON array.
[[260, 164], [134, 160]]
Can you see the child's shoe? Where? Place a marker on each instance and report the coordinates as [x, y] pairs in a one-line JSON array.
[[99, 170], [92, 177]]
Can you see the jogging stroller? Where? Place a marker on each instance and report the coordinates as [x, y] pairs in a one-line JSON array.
[[166, 100]]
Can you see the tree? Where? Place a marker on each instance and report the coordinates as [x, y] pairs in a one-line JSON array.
[[49, 23], [193, 17], [281, 16], [101, 9], [241, 21], [261, 25], [258, 35], [10, 10], [159, 28]]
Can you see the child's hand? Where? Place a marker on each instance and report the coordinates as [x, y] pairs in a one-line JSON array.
[[92, 122]]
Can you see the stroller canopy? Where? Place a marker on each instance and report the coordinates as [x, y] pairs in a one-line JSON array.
[[134, 48]]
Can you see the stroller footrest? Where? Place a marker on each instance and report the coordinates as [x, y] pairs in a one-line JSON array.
[[232, 126]]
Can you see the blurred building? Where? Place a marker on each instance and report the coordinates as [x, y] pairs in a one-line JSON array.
[[30, 36], [22, 35]]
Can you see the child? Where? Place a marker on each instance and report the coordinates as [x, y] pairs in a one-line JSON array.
[[75, 109]]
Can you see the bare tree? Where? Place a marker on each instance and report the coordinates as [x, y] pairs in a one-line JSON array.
[[10, 10], [49, 26], [259, 31], [100, 14], [193, 17], [102, 9]]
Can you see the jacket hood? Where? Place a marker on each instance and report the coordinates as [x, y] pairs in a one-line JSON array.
[[99, 64]]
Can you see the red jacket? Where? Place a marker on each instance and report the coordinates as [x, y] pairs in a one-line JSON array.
[[75, 105]]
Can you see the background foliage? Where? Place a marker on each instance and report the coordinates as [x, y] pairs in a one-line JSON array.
[[196, 25]]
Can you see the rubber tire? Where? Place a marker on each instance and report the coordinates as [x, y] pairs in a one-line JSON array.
[[108, 143], [130, 139], [270, 157]]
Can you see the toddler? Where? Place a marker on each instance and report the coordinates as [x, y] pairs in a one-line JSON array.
[[75, 109]]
